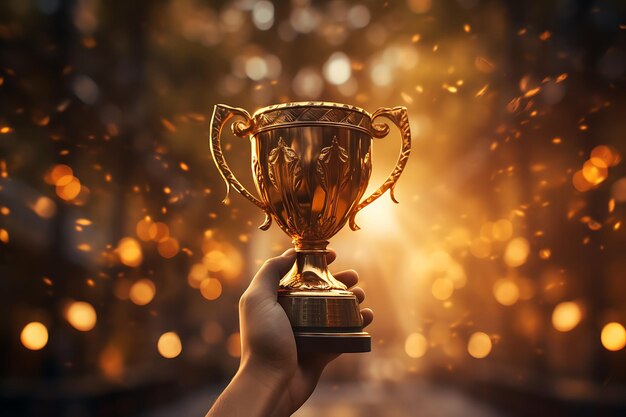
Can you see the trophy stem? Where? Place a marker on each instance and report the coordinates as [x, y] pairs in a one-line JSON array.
[[324, 315]]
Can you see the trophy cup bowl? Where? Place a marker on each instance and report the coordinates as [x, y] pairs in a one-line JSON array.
[[311, 164]]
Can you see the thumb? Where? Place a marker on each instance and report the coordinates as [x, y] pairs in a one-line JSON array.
[[265, 282]]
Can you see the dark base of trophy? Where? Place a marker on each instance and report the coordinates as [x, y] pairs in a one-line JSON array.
[[325, 321]]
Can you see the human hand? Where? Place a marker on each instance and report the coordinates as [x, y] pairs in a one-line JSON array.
[[268, 344]]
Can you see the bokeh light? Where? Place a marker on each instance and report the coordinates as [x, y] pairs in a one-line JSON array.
[[479, 345], [130, 252], [81, 315], [142, 292], [613, 336], [416, 345], [34, 336], [566, 316], [169, 345]]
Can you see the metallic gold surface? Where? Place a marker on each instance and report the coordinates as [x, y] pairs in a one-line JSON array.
[[311, 165]]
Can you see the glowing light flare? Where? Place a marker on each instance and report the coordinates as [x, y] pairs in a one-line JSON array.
[[168, 248], [479, 345], [416, 345], [111, 362], [308, 83], [502, 230], [57, 172], [211, 288], [44, 207], [4, 236], [70, 190], [143, 229], [142, 292], [566, 316], [129, 252], [516, 252], [594, 174], [224, 259], [337, 69], [480, 248], [442, 289], [81, 315], [580, 183], [506, 291], [169, 345], [197, 274], [613, 336], [159, 232], [604, 156], [34, 336], [263, 15]]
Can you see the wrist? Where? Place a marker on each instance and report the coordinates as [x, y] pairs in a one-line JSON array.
[[274, 377]]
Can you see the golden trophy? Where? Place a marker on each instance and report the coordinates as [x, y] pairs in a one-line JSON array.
[[311, 164]]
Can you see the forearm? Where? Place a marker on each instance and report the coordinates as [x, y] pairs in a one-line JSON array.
[[252, 392]]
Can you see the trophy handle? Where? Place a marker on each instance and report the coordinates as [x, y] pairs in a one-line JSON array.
[[399, 116], [221, 115]]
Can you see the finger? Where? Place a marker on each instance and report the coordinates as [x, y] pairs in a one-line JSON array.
[[265, 282], [349, 277], [368, 316], [331, 256], [360, 294]]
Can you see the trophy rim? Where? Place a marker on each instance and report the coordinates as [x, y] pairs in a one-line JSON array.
[[293, 104]]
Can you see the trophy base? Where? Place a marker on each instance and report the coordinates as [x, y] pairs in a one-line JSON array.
[[325, 321]]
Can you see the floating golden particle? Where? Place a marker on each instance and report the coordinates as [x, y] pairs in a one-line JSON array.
[[613, 336], [69, 190], [142, 292], [169, 345], [129, 251], [580, 183], [197, 274], [143, 229], [4, 236], [532, 92], [84, 247], [566, 316], [211, 288], [479, 345], [506, 291], [604, 156], [545, 253], [516, 252], [502, 230], [81, 315], [168, 125], [168, 248], [6, 129], [482, 91], [442, 289], [159, 232], [467, 28], [111, 362], [57, 172], [34, 336], [184, 166], [480, 248], [416, 345], [556, 141], [545, 35]]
